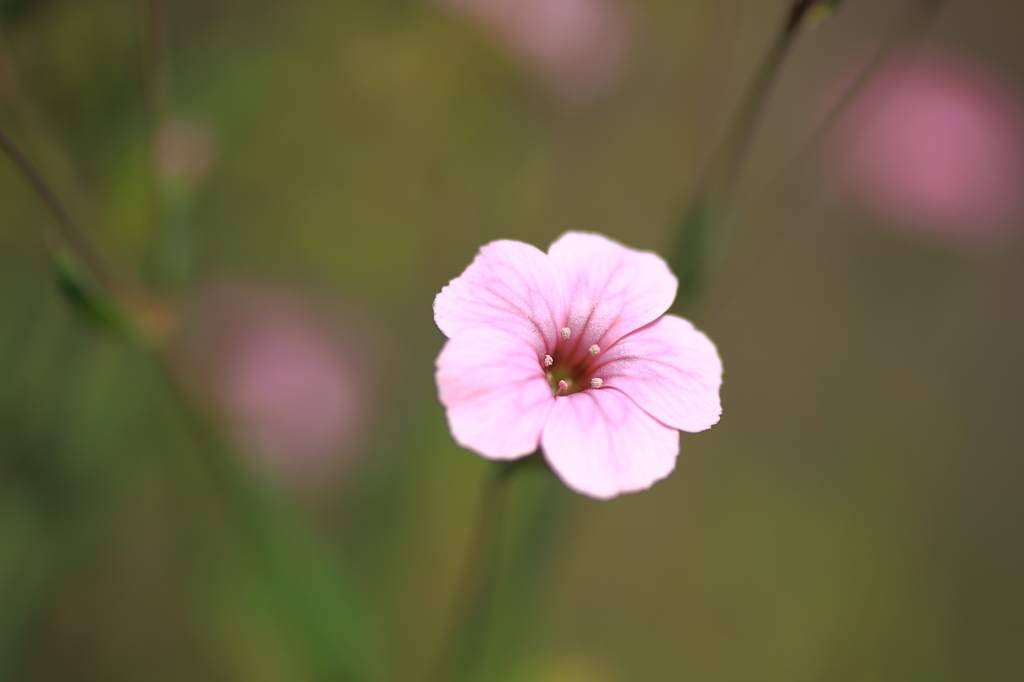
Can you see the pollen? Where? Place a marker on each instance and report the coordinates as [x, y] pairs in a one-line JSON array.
[[548, 361], [595, 349], [566, 332], [563, 385], [596, 382]]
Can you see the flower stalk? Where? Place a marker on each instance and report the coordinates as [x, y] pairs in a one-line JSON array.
[[84, 275], [785, 190], [75, 238], [460, 653], [695, 248]]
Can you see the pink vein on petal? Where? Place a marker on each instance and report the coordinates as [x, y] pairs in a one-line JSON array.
[[495, 393], [611, 290], [601, 444], [669, 369], [511, 286]]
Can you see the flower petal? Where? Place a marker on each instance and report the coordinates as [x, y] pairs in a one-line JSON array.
[[511, 286], [612, 290], [669, 369], [494, 391], [601, 444]]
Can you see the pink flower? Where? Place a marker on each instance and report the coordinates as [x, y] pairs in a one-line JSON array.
[[935, 144], [570, 351]]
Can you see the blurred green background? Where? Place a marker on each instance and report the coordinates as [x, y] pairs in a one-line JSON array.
[[856, 516]]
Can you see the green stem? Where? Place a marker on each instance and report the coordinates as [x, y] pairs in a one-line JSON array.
[[533, 543], [117, 308], [730, 156], [69, 230], [460, 653], [691, 254], [914, 23]]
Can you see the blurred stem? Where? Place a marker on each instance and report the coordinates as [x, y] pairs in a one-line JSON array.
[[533, 541], [118, 309], [460, 652], [914, 23], [691, 254], [916, 20], [729, 158], [77, 240], [159, 58]]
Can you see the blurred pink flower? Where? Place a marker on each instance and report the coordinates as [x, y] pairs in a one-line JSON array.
[[936, 145], [570, 351], [579, 46], [289, 388]]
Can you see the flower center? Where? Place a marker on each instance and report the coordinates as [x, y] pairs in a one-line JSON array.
[[570, 369]]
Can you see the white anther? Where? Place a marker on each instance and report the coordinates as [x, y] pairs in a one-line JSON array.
[[595, 349], [563, 385], [548, 361], [566, 332], [596, 382]]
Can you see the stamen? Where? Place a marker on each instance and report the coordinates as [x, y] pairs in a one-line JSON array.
[[595, 349], [548, 361], [566, 332], [596, 382], [563, 385]]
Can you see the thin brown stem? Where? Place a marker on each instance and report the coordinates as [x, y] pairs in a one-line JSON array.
[[159, 59], [68, 229]]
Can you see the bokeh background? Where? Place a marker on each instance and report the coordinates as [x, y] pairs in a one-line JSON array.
[[300, 179]]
